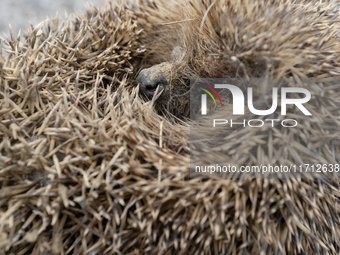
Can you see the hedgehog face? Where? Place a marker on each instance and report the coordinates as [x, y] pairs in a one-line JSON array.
[[156, 79]]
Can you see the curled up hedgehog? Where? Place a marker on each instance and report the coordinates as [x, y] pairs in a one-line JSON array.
[[91, 163]]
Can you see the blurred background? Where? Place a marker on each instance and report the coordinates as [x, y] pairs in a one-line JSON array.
[[18, 12]]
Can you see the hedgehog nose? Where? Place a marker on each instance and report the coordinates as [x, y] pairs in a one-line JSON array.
[[149, 80]]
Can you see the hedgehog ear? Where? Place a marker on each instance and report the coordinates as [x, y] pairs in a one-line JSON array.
[[178, 55]]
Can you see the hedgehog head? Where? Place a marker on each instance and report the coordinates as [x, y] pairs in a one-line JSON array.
[[158, 78]]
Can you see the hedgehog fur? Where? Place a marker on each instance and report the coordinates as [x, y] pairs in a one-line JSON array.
[[89, 166]]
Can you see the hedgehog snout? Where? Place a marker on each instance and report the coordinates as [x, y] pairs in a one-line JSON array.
[[151, 78], [149, 81]]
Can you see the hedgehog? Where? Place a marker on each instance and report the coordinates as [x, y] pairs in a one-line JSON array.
[[92, 163], [220, 44]]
